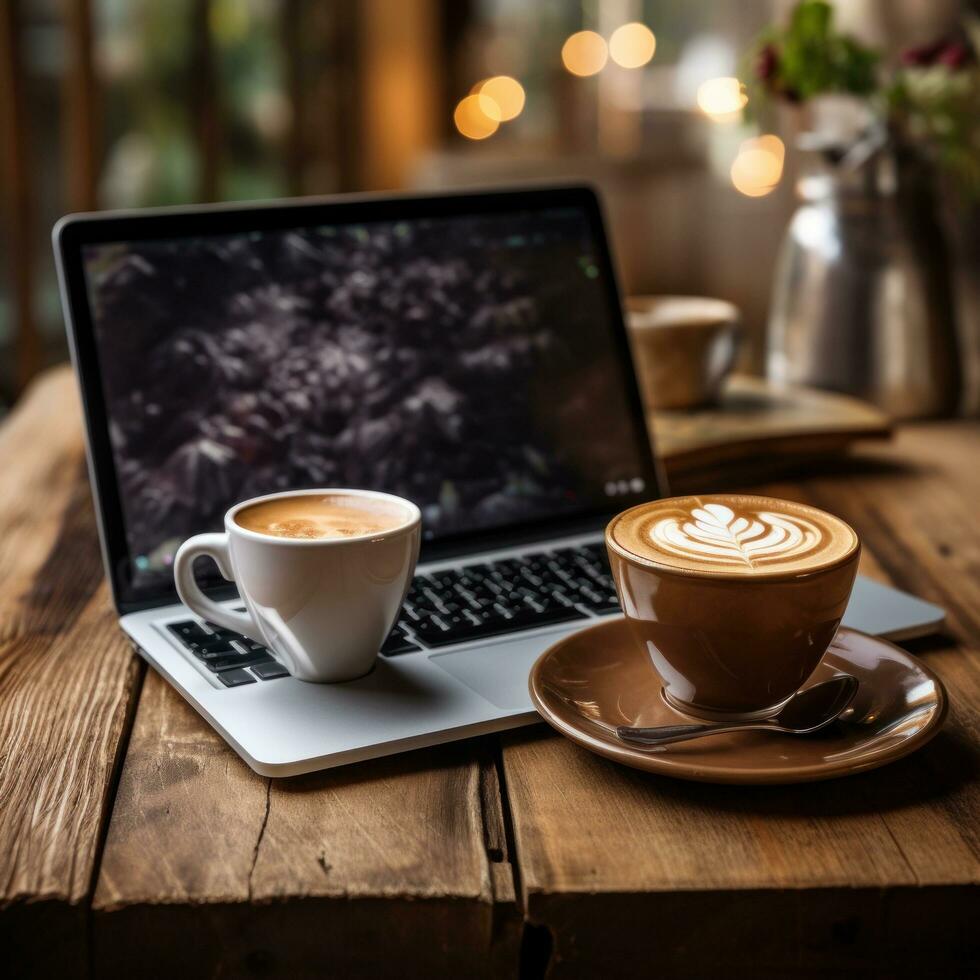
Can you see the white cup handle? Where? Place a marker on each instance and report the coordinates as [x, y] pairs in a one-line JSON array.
[[214, 546]]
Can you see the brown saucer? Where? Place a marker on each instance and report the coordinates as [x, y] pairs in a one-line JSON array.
[[594, 680]]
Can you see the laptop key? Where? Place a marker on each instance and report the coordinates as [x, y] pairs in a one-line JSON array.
[[412, 614], [269, 672], [430, 628], [520, 620], [599, 602], [433, 600], [209, 651], [225, 634], [190, 632], [470, 599], [397, 643], [230, 662], [245, 645], [236, 678]]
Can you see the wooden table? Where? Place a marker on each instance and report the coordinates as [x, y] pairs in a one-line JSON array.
[[134, 843]]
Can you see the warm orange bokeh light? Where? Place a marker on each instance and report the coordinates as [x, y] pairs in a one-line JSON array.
[[759, 166], [584, 53], [506, 92], [477, 116], [722, 98], [773, 144], [632, 45]]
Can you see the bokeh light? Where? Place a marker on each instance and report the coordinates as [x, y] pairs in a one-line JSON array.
[[632, 45], [584, 53], [506, 92], [722, 98], [477, 116], [758, 167], [773, 144]]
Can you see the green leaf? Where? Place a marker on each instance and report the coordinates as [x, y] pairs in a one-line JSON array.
[[811, 19]]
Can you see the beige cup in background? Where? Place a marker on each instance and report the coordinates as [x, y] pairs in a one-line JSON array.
[[683, 347], [325, 605]]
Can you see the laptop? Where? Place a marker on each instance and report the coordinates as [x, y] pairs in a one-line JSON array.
[[465, 351]]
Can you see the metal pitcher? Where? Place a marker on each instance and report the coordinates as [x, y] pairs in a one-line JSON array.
[[862, 300]]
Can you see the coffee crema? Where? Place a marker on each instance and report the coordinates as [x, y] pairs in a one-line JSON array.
[[313, 517], [733, 534]]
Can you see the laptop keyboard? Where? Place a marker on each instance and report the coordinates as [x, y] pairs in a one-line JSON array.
[[233, 658], [506, 596], [445, 607]]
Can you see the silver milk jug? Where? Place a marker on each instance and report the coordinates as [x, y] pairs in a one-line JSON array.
[[862, 299]]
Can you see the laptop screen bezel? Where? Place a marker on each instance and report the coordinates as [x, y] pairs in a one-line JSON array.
[[74, 232]]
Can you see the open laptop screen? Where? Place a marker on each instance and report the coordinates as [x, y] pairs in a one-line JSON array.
[[473, 363]]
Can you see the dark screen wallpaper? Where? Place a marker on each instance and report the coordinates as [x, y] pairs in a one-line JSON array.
[[465, 363]]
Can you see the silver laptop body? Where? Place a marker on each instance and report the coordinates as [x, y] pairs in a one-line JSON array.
[[147, 293]]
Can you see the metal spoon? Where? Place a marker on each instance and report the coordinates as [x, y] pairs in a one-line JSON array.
[[804, 713]]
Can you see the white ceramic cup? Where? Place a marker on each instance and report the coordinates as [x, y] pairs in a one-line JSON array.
[[324, 605]]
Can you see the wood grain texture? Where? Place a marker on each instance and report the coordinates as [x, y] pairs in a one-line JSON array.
[[67, 682], [209, 869], [42, 452], [406, 866], [625, 873]]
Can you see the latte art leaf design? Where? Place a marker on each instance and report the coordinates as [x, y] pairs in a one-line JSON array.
[[715, 534]]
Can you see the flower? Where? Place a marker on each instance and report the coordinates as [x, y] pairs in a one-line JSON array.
[[767, 63], [924, 54], [926, 99], [951, 54], [954, 55]]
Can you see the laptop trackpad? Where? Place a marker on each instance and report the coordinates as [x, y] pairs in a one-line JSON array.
[[498, 669]]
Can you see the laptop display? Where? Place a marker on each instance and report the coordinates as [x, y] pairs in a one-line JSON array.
[[472, 363]]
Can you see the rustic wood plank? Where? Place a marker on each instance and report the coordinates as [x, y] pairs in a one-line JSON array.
[[47, 416], [625, 872], [68, 681], [918, 513], [209, 869]]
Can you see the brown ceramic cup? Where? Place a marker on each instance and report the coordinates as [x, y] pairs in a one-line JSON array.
[[735, 598]]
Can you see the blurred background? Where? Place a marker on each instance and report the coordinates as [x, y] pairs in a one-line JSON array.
[[132, 103]]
